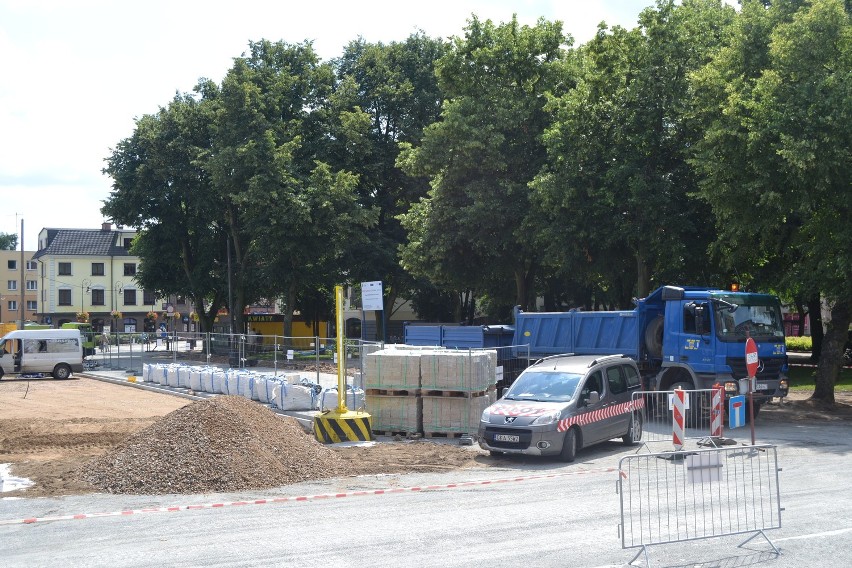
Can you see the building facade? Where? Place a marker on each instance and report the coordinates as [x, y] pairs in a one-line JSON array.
[[13, 279], [90, 275]]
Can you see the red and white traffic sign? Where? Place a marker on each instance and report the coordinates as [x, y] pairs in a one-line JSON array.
[[751, 357]]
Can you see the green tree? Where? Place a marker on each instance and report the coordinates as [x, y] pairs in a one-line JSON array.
[[776, 154], [616, 194], [160, 187], [386, 94], [289, 213], [8, 241], [473, 230]]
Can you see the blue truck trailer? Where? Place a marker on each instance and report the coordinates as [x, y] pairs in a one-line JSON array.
[[686, 337]]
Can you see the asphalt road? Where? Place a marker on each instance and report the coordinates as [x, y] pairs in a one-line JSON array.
[[518, 512]]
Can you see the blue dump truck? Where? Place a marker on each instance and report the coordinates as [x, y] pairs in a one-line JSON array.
[[685, 337]]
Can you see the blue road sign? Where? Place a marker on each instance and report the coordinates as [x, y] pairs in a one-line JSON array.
[[736, 411]]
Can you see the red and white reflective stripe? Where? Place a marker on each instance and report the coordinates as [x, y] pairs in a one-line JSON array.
[[271, 500], [677, 419], [716, 411], [597, 415]]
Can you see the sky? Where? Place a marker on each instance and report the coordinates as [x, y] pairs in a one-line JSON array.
[[76, 74]]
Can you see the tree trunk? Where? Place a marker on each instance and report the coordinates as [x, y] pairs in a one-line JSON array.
[[831, 358], [815, 315], [288, 309], [643, 276]]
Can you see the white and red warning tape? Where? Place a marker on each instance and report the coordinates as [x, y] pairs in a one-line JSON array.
[[272, 500]]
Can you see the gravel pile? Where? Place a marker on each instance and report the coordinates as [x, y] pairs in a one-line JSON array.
[[223, 444]]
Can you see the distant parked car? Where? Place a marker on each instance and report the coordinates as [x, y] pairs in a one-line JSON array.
[[562, 404]]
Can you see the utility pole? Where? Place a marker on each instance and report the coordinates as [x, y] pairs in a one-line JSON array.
[[23, 279]]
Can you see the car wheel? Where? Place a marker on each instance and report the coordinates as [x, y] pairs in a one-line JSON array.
[[634, 430], [61, 371], [569, 446]]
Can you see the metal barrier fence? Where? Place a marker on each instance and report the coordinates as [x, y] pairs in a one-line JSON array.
[[269, 353], [693, 495], [657, 414], [276, 354]]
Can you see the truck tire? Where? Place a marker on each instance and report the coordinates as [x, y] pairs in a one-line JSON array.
[[61, 371], [569, 446], [654, 338]]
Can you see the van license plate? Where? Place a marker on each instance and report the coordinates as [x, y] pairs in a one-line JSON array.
[[761, 386], [507, 438]]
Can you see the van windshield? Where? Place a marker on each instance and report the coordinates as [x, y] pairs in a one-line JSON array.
[[541, 386]]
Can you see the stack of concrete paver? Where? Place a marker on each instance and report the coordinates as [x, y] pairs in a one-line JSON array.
[[437, 392]]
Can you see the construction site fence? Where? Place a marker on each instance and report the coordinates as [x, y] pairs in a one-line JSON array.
[[657, 411], [269, 353], [691, 495]]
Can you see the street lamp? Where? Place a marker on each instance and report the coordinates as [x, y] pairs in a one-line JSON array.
[[118, 286], [85, 288]]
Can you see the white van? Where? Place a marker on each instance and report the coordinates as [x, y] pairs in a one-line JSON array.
[[54, 351]]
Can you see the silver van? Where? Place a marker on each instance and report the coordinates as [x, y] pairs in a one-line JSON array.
[[564, 403], [55, 351]]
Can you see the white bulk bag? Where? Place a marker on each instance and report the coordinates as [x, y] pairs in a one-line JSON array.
[[293, 397], [195, 378], [355, 399], [220, 379], [264, 388]]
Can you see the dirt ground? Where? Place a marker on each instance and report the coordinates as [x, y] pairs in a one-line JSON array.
[[49, 429]]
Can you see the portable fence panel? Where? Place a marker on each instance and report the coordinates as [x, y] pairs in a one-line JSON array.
[[681, 496], [658, 409]]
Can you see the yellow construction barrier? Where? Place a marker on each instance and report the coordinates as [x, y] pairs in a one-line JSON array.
[[341, 424]]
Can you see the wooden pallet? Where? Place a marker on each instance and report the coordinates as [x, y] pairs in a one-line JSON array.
[[452, 393], [392, 392], [393, 433], [450, 435]]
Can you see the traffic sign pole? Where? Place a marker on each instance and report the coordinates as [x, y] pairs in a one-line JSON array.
[[752, 362]]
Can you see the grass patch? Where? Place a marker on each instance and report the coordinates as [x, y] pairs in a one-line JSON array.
[[802, 378]]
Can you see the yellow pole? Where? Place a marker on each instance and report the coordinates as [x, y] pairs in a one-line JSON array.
[[341, 369]]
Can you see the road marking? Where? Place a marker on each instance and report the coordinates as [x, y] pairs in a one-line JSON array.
[[319, 497], [813, 535]]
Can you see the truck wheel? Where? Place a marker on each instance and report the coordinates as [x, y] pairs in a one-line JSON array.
[[569, 446], [634, 430], [61, 371], [654, 337]]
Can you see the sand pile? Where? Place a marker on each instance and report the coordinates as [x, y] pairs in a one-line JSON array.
[[223, 444]]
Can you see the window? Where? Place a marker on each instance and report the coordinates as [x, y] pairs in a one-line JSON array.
[[12, 264], [32, 285], [129, 269], [615, 380], [129, 297], [127, 242], [692, 313], [65, 297], [31, 265], [65, 269], [148, 298], [593, 384], [632, 376], [181, 301], [97, 269], [32, 306], [12, 306], [98, 297], [12, 284]]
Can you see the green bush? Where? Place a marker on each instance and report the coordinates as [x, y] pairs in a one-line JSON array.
[[799, 344]]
